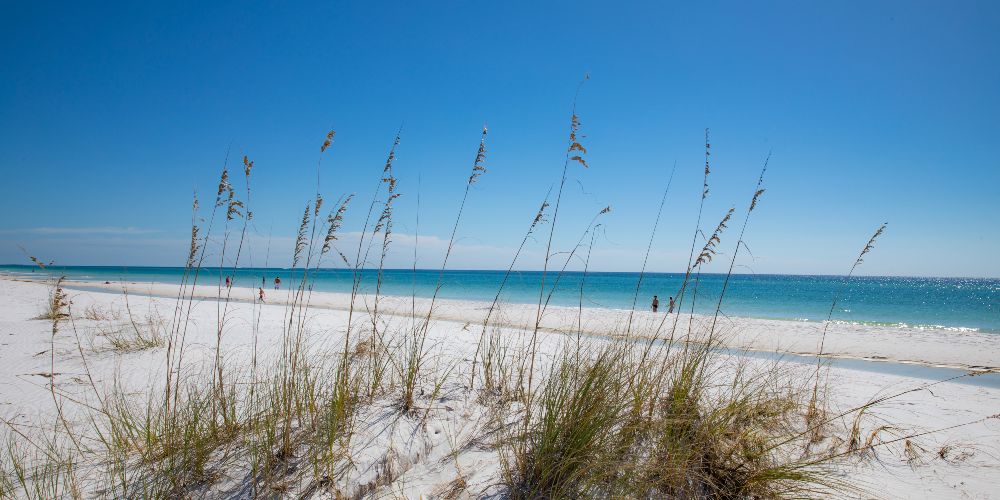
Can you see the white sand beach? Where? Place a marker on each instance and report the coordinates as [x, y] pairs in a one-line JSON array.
[[428, 456]]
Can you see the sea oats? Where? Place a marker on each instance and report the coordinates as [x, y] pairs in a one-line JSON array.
[[709, 249], [327, 141], [300, 239], [333, 223], [540, 216], [479, 166], [708, 153]]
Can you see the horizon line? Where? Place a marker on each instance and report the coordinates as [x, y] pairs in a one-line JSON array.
[[409, 269]]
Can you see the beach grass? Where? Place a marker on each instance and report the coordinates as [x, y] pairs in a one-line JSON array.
[[614, 417], [54, 308]]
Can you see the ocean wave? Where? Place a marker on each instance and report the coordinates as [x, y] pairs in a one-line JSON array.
[[915, 326], [887, 324]]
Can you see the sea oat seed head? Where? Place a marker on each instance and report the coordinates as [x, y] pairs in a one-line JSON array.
[[326, 143], [300, 240], [478, 166], [753, 203], [334, 222], [708, 146], [709, 249]]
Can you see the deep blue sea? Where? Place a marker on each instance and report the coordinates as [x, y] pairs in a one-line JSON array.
[[961, 304]]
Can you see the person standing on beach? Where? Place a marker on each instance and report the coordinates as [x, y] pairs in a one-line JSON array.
[[670, 306], [656, 303], [260, 294], [277, 282], [229, 283]]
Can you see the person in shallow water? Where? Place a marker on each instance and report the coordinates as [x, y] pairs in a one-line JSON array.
[[656, 303], [277, 282], [670, 306]]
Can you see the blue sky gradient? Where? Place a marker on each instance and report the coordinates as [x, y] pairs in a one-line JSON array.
[[111, 114]]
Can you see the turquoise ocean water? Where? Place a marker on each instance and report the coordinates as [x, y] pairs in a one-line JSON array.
[[958, 304]]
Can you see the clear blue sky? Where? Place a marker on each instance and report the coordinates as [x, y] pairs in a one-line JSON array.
[[112, 113]]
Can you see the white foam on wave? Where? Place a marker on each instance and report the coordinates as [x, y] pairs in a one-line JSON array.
[[916, 326]]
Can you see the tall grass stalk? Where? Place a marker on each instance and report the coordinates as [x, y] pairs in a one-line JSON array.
[[574, 153], [813, 409], [358, 266], [758, 191], [415, 355], [649, 249], [694, 240], [538, 218]]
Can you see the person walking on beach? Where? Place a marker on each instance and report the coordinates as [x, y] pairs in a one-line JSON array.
[[670, 306], [260, 294], [656, 303], [229, 283], [277, 282]]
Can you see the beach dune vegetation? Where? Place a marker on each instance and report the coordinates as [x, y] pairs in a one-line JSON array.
[[662, 415]]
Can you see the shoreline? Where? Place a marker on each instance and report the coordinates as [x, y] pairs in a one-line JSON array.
[[881, 310], [877, 344]]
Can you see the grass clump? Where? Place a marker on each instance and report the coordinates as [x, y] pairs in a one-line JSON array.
[[132, 336], [608, 425], [38, 469], [95, 312], [55, 307], [570, 448]]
